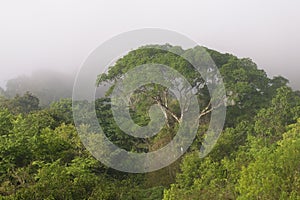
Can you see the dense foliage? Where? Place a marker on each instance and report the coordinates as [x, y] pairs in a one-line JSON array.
[[256, 157]]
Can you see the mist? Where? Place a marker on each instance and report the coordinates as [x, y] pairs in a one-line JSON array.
[[59, 35], [47, 85]]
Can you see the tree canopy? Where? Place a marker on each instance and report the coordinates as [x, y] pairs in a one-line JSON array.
[[256, 156]]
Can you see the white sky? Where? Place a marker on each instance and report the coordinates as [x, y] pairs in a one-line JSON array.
[[60, 34]]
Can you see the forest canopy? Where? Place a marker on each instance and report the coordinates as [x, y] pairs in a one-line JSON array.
[[256, 157]]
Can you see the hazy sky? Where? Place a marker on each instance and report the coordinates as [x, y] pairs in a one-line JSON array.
[[60, 34]]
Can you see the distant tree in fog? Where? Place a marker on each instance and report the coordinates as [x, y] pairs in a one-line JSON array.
[[47, 85], [2, 92]]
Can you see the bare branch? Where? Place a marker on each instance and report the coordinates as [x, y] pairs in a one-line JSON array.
[[159, 102]]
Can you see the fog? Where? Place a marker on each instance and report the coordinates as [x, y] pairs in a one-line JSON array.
[[59, 35]]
